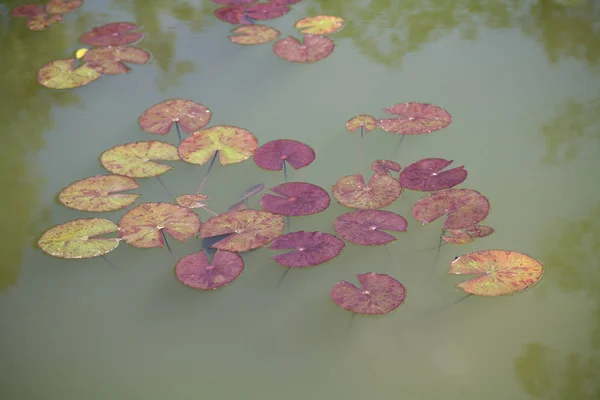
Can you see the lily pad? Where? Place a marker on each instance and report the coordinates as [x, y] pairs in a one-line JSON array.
[[254, 34], [366, 227], [425, 175], [320, 25], [379, 294], [61, 74], [285, 2], [78, 238], [501, 272], [112, 34], [415, 118], [313, 48], [233, 144], [295, 199], [364, 122], [246, 13], [192, 200], [138, 159], [109, 60], [62, 6], [464, 207], [272, 155], [27, 10], [310, 248], [159, 118], [247, 229], [383, 167], [195, 271], [233, 2], [467, 235], [353, 192], [99, 193], [141, 226], [42, 21]]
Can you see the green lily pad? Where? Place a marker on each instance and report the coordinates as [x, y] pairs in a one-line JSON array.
[[137, 159], [99, 193], [62, 6], [61, 74], [233, 144]]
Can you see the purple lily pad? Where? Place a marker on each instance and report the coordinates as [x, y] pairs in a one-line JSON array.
[[110, 60], [365, 227], [380, 294], [383, 167], [310, 248], [27, 10], [296, 198], [285, 2], [313, 48], [465, 208], [272, 155], [112, 34], [195, 271], [415, 118], [425, 175]]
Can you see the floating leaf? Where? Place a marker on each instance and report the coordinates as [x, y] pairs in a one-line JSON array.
[[99, 193], [365, 227], [353, 192], [137, 159], [108, 60], [60, 74], [62, 6], [245, 14], [320, 25], [233, 144], [39, 22], [503, 272], [195, 271], [254, 34], [141, 226], [383, 167], [425, 175], [233, 2], [272, 155], [247, 229], [296, 198], [284, 2], [313, 48], [465, 208], [27, 10], [479, 231], [112, 34], [191, 200], [310, 248], [415, 118], [467, 235], [364, 121], [380, 294], [77, 238], [159, 118]]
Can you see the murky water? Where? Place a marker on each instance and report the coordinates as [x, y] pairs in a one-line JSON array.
[[522, 82]]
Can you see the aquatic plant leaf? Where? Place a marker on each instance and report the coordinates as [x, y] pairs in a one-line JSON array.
[[479, 231], [383, 167], [248, 229], [310, 248], [425, 175], [467, 235], [273, 154], [27, 10], [193, 200], [233, 144], [245, 13], [62, 6], [254, 34], [380, 294], [141, 226], [367, 122], [42, 21], [78, 238], [195, 271], [465, 208], [415, 118], [313, 48], [99, 193], [502, 272], [365, 227], [112, 34], [284, 2], [295, 199], [353, 192], [233, 2], [159, 118], [138, 159], [109, 60], [320, 25], [60, 74]]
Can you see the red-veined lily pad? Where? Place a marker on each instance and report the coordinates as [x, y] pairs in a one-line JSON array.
[[78, 238], [254, 34], [425, 175], [285, 2], [27, 10], [365, 227], [501, 272], [60, 74], [295, 199], [320, 25], [195, 271], [272, 155], [245, 13], [467, 235], [42, 21], [364, 122], [62, 6], [138, 159], [192, 200], [353, 192], [233, 144], [479, 231], [142, 225], [247, 229], [383, 167], [112, 34], [189, 115], [313, 48], [415, 118], [109, 60], [465, 208], [379, 294], [310, 248], [99, 193], [233, 2]]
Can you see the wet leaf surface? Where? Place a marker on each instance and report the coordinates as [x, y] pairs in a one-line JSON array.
[[42, 21], [254, 34], [368, 123], [464, 207], [415, 118], [309, 248], [190, 116], [383, 167], [138, 159], [352, 191], [467, 235], [61, 74], [62, 6], [379, 294], [195, 271], [295, 199], [245, 13], [233, 144], [313, 48], [112, 34], [233, 2], [99, 193], [366, 227], [191, 200], [427, 176], [272, 155], [320, 25], [109, 60]]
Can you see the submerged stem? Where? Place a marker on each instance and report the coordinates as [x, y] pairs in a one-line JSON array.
[[285, 170], [178, 130], [437, 254], [398, 145], [361, 160], [208, 171], [108, 261], [164, 186], [162, 232], [283, 276]]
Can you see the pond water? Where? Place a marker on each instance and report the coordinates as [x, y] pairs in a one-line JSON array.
[[522, 82]]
